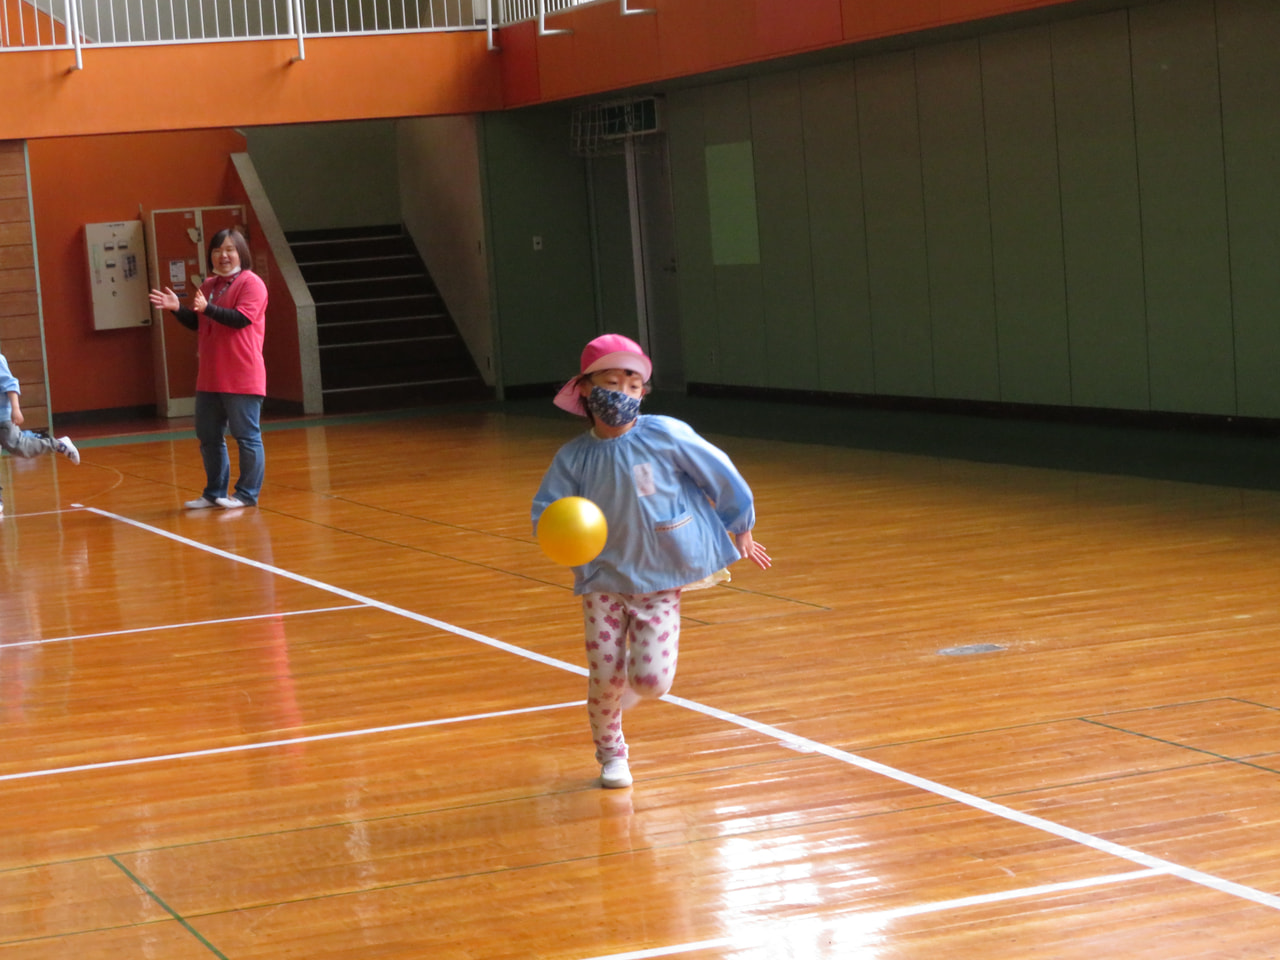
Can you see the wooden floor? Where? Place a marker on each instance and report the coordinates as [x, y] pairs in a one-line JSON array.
[[974, 711]]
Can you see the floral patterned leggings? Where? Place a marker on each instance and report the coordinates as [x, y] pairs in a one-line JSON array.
[[651, 624]]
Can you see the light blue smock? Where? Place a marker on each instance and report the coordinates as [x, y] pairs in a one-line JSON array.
[[8, 384], [671, 500]]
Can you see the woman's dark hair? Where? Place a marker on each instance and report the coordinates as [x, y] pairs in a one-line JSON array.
[[242, 246]]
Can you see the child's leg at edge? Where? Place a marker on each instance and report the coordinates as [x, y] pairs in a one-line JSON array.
[[24, 443]]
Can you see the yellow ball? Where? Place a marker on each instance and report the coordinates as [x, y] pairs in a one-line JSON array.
[[572, 531]]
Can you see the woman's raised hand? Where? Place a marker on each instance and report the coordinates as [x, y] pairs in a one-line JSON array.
[[165, 300]]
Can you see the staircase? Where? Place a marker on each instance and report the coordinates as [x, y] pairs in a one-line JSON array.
[[386, 337]]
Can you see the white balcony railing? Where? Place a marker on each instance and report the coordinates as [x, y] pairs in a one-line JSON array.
[[73, 24]]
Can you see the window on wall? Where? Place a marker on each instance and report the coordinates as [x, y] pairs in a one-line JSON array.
[[731, 197]]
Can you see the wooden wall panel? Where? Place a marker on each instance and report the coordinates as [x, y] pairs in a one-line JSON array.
[[20, 339]]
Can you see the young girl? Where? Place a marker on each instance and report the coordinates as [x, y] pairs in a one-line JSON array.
[[678, 512], [19, 442]]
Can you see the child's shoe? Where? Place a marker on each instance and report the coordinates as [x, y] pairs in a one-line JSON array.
[[199, 503], [230, 503], [615, 774], [68, 449]]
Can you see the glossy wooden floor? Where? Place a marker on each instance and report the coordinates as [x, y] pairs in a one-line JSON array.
[[349, 724]]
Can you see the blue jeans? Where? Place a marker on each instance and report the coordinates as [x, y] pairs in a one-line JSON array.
[[237, 413]]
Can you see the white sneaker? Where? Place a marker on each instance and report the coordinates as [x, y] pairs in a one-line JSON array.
[[231, 503], [615, 774], [199, 503], [68, 449]]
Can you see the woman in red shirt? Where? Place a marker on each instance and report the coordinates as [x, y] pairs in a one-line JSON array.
[[228, 313]]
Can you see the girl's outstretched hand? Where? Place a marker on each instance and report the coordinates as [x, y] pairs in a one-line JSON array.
[[750, 550]]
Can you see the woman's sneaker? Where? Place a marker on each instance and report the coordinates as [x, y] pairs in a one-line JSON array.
[[199, 503]]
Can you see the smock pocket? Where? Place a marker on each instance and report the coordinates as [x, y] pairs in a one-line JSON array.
[[681, 541]]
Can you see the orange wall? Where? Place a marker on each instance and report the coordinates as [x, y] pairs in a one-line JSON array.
[[212, 85], [608, 52], [171, 87], [82, 180]]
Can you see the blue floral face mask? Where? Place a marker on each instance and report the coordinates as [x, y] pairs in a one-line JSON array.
[[611, 407]]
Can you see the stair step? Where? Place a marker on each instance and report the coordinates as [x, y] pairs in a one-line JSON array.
[[355, 248], [372, 288], [395, 328], [388, 309], [329, 271], [344, 233], [405, 395], [386, 337]]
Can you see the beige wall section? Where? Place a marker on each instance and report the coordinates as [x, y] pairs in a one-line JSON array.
[[20, 333], [328, 174], [440, 204]]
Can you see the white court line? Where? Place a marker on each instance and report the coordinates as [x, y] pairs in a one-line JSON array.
[[266, 744], [359, 598], [802, 743], [875, 917], [182, 626]]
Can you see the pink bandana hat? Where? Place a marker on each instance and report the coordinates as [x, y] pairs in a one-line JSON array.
[[608, 352]]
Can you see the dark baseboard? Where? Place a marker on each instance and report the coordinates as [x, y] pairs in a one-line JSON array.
[[1045, 413], [282, 408], [108, 415], [81, 418], [532, 391]]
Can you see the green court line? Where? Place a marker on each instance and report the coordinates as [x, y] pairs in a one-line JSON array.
[[168, 909]]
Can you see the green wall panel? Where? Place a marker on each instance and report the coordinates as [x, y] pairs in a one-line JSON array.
[[738, 316], [1248, 41], [614, 267], [1101, 214], [837, 232], [731, 199], [789, 349], [1184, 224], [740, 310], [726, 112], [894, 206], [536, 187], [695, 277], [1026, 219], [958, 219], [1070, 214]]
